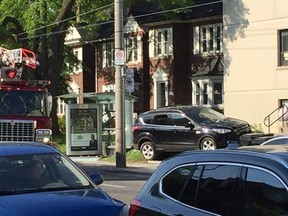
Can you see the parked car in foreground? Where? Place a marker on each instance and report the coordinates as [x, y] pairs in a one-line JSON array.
[[36, 179], [277, 140], [181, 128], [221, 182]]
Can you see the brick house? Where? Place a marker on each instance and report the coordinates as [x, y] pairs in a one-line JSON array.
[[175, 61]]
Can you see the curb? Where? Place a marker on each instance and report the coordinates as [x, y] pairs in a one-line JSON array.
[[137, 167]]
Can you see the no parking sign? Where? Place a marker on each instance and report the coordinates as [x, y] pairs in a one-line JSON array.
[[129, 80]]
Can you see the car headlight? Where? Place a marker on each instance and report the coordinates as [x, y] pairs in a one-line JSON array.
[[43, 135], [221, 130]]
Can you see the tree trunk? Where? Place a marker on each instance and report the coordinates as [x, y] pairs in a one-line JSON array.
[[56, 57]]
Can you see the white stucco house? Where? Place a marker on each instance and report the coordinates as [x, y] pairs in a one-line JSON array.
[[255, 49]]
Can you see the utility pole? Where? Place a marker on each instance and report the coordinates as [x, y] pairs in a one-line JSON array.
[[120, 148]]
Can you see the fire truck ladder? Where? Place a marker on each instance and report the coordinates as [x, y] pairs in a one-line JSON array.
[[17, 56]]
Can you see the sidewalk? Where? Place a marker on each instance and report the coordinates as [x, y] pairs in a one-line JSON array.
[[147, 167]]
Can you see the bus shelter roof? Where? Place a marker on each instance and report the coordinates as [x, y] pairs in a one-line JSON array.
[[97, 97]]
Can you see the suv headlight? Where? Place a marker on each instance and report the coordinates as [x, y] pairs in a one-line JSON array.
[[221, 130], [43, 135]]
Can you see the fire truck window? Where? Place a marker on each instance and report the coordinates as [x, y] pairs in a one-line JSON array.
[[4, 105], [27, 104]]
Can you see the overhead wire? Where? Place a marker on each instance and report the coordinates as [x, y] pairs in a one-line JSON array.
[[70, 18]]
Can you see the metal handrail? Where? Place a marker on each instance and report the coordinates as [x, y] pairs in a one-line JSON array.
[[267, 120]]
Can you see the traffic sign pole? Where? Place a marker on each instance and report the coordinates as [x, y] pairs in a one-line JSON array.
[[120, 148]]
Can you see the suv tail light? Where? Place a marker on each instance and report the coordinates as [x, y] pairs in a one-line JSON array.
[[135, 128], [134, 207]]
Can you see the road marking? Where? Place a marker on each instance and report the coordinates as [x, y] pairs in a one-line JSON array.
[[117, 186]]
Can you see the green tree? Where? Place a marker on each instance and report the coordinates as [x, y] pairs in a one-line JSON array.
[[42, 27]]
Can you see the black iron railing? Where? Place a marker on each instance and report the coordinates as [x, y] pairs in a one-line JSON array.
[[281, 112]]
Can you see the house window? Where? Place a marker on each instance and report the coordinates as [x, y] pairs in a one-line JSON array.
[[131, 49], [108, 54], [211, 38], [207, 92], [217, 93], [197, 92], [76, 68], [61, 107], [284, 48], [161, 43]]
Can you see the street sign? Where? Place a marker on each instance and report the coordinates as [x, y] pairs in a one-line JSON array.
[[129, 80], [119, 57]]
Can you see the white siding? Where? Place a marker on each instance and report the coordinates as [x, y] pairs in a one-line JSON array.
[[254, 83]]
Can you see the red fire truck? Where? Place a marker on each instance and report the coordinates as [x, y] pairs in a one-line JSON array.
[[25, 105]]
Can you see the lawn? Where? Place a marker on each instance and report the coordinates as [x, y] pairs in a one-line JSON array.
[[131, 155]]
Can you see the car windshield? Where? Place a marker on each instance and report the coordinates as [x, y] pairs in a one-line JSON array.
[[34, 173], [204, 115]]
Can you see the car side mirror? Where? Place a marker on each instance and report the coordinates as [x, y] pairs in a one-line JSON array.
[[97, 178], [190, 125]]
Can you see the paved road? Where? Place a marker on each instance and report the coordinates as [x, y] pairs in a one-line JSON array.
[[120, 183]]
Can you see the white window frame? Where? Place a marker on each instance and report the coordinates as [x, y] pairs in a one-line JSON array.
[[204, 88], [108, 54], [108, 88], [132, 49], [211, 38], [161, 42], [61, 107], [160, 78]]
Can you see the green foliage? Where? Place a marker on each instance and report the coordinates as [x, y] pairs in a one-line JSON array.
[[62, 124], [132, 155], [60, 139], [257, 128]]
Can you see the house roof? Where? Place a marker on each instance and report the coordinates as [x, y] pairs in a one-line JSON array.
[[211, 66], [202, 8], [148, 13]]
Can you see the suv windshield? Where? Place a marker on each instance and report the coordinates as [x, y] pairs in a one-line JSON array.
[[204, 115]]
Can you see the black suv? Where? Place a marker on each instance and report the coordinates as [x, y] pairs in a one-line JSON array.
[[181, 128]]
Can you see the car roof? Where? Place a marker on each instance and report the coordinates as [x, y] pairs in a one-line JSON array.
[[275, 138], [21, 148], [174, 108], [254, 156]]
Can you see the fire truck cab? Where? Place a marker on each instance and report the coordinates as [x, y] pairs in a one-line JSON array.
[[25, 105]]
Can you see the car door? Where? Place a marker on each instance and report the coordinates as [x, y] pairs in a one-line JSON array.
[[265, 192], [162, 131], [184, 134], [212, 189]]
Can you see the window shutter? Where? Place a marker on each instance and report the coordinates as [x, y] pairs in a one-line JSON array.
[[196, 40], [104, 63], [139, 49], [170, 41], [151, 44]]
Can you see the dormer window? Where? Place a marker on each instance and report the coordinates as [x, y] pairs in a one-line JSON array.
[[108, 54]]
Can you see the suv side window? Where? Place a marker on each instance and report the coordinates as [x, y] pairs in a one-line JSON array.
[[217, 189], [265, 193], [147, 119], [209, 187], [179, 119], [160, 120], [173, 183]]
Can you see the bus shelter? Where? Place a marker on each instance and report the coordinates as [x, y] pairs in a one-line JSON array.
[[90, 122]]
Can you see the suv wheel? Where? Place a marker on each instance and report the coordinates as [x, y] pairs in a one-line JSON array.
[[148, 150], [208, 143]]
